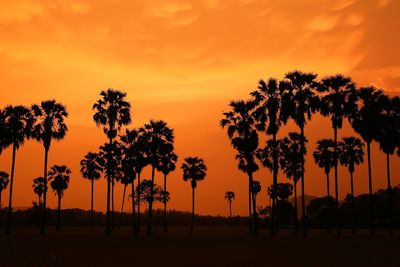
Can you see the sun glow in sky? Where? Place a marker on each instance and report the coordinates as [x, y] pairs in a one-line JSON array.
[[182, 61]]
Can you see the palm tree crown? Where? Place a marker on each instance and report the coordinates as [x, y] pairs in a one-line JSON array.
[[194, 170], [19, 122], [38, 186], [351, 152], [91, 166], [59, 178], [229, 195], [324, 154]]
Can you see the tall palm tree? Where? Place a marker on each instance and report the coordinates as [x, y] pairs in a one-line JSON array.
[[112, 112], [59, 180], [268, 156], [324, 157], [4, 180], [388, 138], [299, 102], [255, 189], [166, 165], [18, 121], [38, 188], [135, 148], [128, 177], [159, 138], [49, 125], [91, 169], [111, 156], [268, 96], [194, 170], [229, 197], [351, 153], [338, 102], [242, 126], [293, 152], [5, 138], [366, 122]]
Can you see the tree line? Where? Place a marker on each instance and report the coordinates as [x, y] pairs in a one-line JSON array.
[[373, 115], [122, 159]]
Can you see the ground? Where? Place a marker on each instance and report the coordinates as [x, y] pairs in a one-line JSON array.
[[206, 247]]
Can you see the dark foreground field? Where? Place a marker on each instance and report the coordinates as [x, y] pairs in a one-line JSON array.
[[206, 247]]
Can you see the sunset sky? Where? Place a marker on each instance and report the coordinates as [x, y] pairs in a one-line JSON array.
[[183, 61]]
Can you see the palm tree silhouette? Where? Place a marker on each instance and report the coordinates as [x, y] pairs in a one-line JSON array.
[[49, 125], [351, 153], [388, 138], [268, 96], [299, 102], [18, 121], [128, 177], [324, 157], [159, 138], [255, 189], [166, 165], [135, 148], [91, 169], [38, 188], [5, 138], [4, 180], [293, 152], [112, 112], [338, 102], [59, 180], [111, 155], [366, 122], [229, 197], [242, 128], [194, 170]]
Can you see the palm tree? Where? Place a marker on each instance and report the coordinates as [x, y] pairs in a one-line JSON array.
[[268, 96], [388, 138], [242, 127], [324, 157], [351, 153], [111, 156], [338, 102], [299, 102], [128, 177], [59, 180], [4, 180], [91, 169], [18, 121], [194, 170], [135, 148], [229, 197], [159, 138], [255, 189], [268, 156], [365, 122], [38, 188], [293, 152], [5, 138], [166, 165], [49, 125], [112, 112]]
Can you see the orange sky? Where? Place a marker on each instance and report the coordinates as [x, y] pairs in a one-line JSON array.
[[182, 61]]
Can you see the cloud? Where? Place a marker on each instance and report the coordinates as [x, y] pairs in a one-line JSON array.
[[19, 11], [164, 9]]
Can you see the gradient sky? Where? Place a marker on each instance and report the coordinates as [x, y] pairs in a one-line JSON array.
[[182, 61]]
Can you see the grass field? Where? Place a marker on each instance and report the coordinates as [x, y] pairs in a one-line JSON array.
[[205, 247]]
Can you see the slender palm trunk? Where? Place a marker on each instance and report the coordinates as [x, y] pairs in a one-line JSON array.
[[250, 217], [0, 200], [274, 186], [44, 206], [390, 195], [255, 214], [329, 203], [150, 212], [230, 209], [8, 225], [122, 207], [303, 201], [371, 196], [59, 214], [112, 203], [296, 219], [335, 156], [165, 204], [138, 204], [134, 228], [108, 220], [353, 206], [193, 216], [91, 205]]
